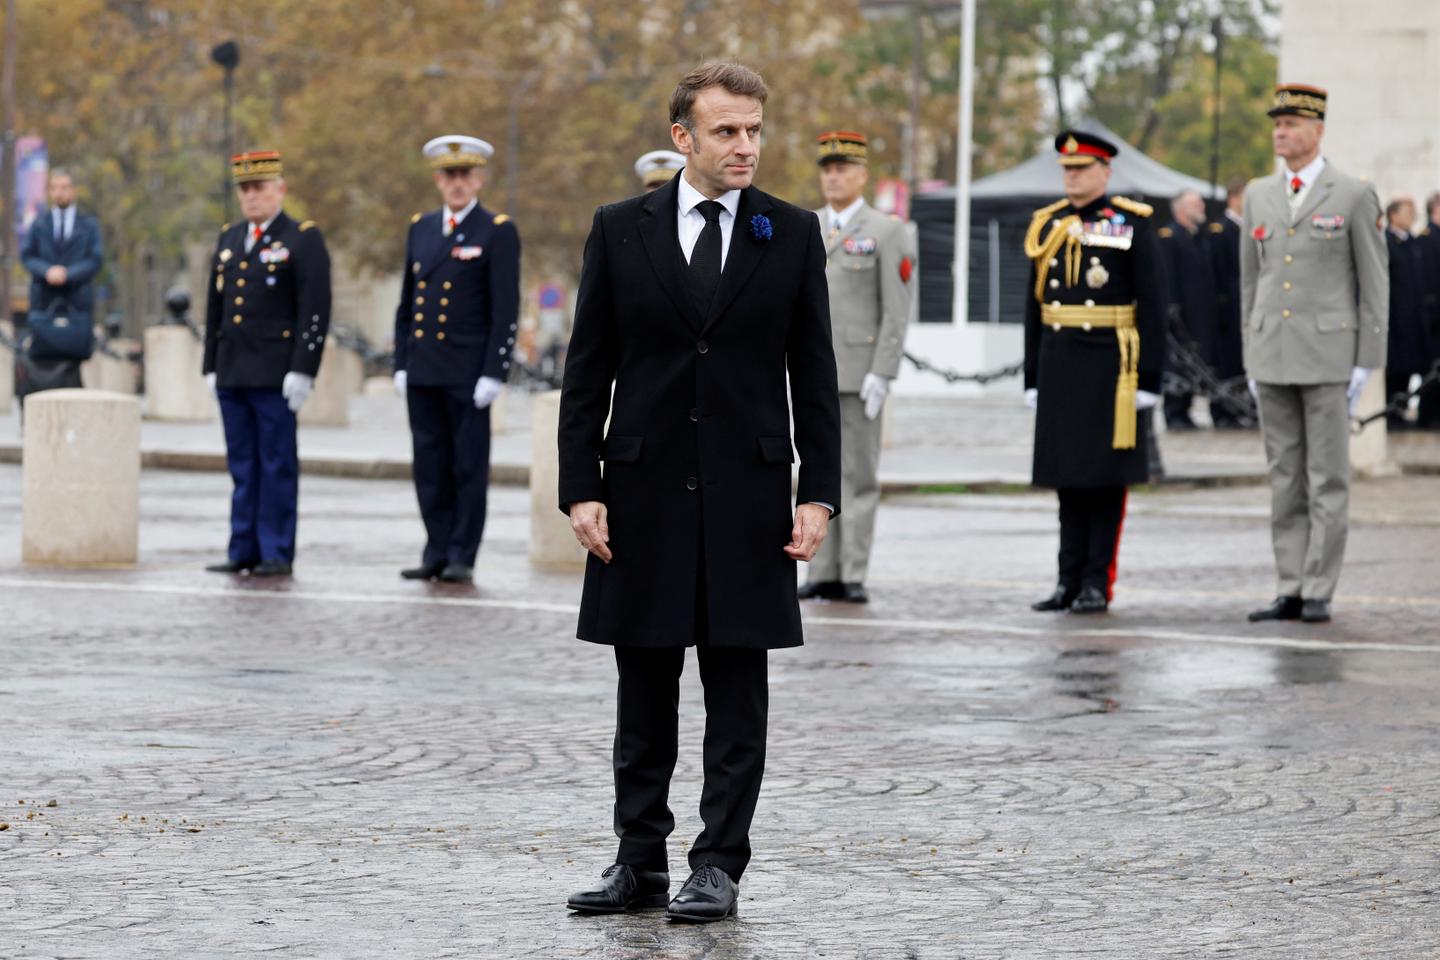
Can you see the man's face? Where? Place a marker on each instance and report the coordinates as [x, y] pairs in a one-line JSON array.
[[1297, 138], [842, 182], [459, 185], [724, 150], [1404, 217], [1432, 215], [62, 191], [1087, 183], [1189, 209], [260, 200], [1236, 201]]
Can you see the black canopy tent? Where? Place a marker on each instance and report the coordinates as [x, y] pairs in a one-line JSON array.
[[1000, 209]]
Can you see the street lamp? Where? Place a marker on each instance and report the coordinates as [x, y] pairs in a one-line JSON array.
[[227, 55]]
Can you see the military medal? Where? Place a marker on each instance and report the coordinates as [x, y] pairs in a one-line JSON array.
[[465, 253], [1097, 276]]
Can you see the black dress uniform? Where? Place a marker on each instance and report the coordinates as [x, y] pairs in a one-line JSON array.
[[1409, 349], [1191, 295], [1227, 348], [267, 315], [1430, 258], [1094, 335], [457, 320]]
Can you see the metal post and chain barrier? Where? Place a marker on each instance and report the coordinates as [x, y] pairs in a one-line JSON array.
[[1399, 402], [953, 376]]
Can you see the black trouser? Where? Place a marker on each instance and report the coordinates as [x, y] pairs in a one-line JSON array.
[[1090, 523], [1430, 408], [1396, 382], [451, 464], [646, 741], [1177, 409]]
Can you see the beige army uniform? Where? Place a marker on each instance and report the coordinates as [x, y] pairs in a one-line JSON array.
[[1315, 293], [869, 272]]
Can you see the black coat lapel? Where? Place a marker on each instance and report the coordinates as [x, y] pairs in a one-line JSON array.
[[746, 252], [662, 245]]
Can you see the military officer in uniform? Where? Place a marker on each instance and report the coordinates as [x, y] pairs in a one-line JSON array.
[[658, 167], [868, 270], [1191, 292], [266, 320], [1094, 351], [1315, 295], [1224, 249], [454, 333]]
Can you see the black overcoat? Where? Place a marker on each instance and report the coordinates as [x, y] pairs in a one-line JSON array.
[[1409, 349], [1224, 245], [1075, 370], [697, 458]]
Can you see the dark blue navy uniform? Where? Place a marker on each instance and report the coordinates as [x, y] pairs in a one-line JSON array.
[[1226, 347], [1191, 298], [457, 319], [267, 315]]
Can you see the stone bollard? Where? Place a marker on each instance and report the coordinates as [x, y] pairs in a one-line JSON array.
[[1370, 449], [7, 368], [174, 386], [115, 374], [342, 373], [552, 544], [81, 501], [500, 409]]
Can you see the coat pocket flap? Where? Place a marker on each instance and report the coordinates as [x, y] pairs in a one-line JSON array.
[[622, 449], [777, 450]]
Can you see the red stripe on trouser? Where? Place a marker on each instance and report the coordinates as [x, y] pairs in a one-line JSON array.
[[1115, 557]]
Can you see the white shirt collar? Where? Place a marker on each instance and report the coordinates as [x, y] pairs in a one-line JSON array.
[[445, 213], [842, 218], [1234, 217], [1307, 174], [690, 198], [250, 230], [1399, 234]]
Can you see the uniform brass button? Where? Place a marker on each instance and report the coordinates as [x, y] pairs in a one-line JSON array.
[[444, 301], [286, 334], [1089, 303], [702, 347], [1086, 326], [419, 316], [1289, 259], [446, 284], [244, 265], [442, 318], [1287, 284], [240, 282], [1054, 282], [239, 319], [272, 268], [421, 284], [440, 335], [419, 333], [239, 301], [1291, 231], [869, 339], [419, 301], [1055, 327], [691, 483], [1284, 313]]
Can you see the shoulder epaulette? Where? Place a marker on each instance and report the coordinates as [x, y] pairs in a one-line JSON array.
[[416, 218], [1165, 233], [306, 225], [226, 227], [502, 218], [1217, 228], [1047, 211], [1133, 206]]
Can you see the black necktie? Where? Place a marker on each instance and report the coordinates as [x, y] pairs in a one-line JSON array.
[[705, 258]]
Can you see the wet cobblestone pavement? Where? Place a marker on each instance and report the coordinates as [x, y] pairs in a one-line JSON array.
[[350, 766]]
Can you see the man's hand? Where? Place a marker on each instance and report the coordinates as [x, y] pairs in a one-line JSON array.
[[589, 520], [486, 390], [56, 276], [400, 380], [1032, 398], [812, 522], [1358, 378], [295, 388], [210, 383], [872, 391]]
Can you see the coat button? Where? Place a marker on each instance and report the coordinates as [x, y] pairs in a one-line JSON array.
[[239, 319], [240, 282], [419, 316], [444, 301], [692, 484], [440, 335], [419, 333], [286, 334], [1285, 313], [419, 301], [1291, 231], [694, 415], [441, 318], [239, 301], [446, 284], [1287, 284], [244, 265], [1289, 258], [421, 284], [703, 347]]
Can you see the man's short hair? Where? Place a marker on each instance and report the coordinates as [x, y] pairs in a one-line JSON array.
[[61, 172], [1394, 205], [1431, 201], [1234, 187], [734, 78]]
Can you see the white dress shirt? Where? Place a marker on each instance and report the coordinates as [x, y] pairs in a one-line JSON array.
[[836, 221], [64, 222], [1308, 175], [446, 216], [250, 233], [691, 221]]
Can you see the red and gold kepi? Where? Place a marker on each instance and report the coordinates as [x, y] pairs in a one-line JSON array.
[[1080, 149], [1299, 100], [843, 145], [255, 165]]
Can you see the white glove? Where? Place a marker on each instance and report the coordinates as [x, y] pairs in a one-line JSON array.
[[400, 382], [873, 390], [486, 390], [1254, 390], [1032, 398], [1358, 378], [296, 390], [1145, 400], [210, 382]]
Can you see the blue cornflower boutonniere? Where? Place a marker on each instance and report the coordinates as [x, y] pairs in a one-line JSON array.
[[760, 227]]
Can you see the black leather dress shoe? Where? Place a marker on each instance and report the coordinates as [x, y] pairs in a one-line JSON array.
[[622, 887], [422, 573], [708, 895], [1284, 608], [1315, 611], [1090, 600], [271, 568], [457, 573], [1059, 600], [824, 590], [229, 567], [855, 593]]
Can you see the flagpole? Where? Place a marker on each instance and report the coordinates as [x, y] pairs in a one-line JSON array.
[[964, 145]]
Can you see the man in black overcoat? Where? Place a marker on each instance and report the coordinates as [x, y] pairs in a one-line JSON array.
[[1408, 351], [1228, 349], [1094, 350], [695, 302]]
